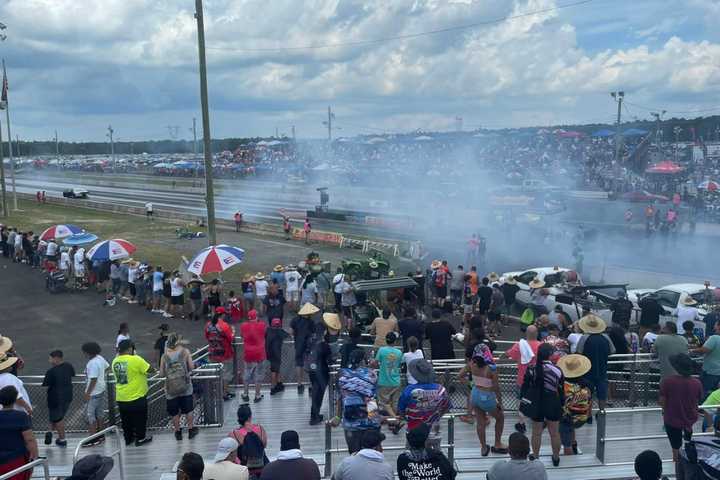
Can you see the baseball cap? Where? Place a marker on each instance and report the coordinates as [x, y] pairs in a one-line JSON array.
[[226, 446], [220, 310], [276, 322], [372, 439]]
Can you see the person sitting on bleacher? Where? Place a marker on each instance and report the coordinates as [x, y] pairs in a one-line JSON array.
[[518, 466]]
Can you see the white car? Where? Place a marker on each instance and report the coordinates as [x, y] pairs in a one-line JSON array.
[[556, 282], [75, 193], [672, 296]]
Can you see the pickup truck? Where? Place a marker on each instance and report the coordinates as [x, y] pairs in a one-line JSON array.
[[75, 193]]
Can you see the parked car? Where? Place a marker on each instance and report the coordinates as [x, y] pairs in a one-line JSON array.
[[643, 196], [75, 193]]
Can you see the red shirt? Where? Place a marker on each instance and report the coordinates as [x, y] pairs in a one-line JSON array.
[[253, 334], [219, 337], [514, 353], [682, 395]]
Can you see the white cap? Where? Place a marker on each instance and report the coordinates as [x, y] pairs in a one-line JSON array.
[[226, 446]]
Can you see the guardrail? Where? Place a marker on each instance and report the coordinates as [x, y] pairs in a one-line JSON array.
[[29, 466], [119, 452]]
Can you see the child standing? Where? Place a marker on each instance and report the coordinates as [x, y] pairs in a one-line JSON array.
[[274, 339]]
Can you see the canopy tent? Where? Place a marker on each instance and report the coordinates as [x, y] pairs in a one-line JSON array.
[[603, 133], [185, 164], [665, 168], [634, 132], [163, 165], [570, 134]]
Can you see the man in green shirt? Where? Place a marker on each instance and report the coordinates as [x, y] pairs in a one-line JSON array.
[[387, 360], [667, 344], [131, 389], [710, 376]]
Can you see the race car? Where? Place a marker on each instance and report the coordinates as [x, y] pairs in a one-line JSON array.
[[75, 193]]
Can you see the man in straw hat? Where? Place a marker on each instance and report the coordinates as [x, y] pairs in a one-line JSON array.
[[577, 407], [680, 396], [8, 379], [302, 329], [596, 345], [318, 357], [686, 311]]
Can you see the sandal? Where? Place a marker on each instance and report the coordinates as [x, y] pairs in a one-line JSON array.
[[467, 419], [485, 451]]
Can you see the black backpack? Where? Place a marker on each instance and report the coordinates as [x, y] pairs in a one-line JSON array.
[[252, 452]]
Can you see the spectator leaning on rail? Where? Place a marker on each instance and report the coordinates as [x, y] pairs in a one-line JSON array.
[[290, 462], [131, 372], [680, 395], [176, 365]]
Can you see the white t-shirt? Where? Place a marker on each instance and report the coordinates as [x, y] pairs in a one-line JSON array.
[[409, 357], [573, 340], [225, 471], [95, 368], [157, 281], [78, 260], [18, 241], [51, 249], [8, 379], [176, 287], [120, 338], [64, 261], [292, 281], [261, 288], [132, 275], [685, 313], [148, 207], [337, 281]]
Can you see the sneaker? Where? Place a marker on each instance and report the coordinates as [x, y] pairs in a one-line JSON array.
[[155, 310], [301, 389], [576, 450], [258, 399], [61, 442], [274, 390], [192, 433], [281, 387], [48, 438], [167, 315], [178, 435], [132, 301], [143, 441]]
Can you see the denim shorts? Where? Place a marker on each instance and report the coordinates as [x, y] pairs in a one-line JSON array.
[[485, 401], [95, 408]]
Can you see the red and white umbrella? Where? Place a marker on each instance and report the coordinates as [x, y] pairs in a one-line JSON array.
[[709, 185], [111, 250], [216, 259], [60, 231]]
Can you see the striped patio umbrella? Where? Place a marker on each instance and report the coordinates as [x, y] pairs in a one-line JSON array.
[[60, 231], [111, 250], [216, 259]]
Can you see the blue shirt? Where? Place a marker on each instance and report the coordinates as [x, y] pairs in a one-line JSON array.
[[423, 403], [389, 359], [280, 277], [357, 387]]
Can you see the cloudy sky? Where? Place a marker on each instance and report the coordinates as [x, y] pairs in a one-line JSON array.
[[79, 65]]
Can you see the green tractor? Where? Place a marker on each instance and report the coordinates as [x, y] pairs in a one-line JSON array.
[[366, 268]]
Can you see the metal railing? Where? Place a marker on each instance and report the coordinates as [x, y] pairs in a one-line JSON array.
[[119, 452], [29, 466], [601, 438]]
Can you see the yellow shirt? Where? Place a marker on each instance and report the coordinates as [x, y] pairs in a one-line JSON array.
[[130, 377]]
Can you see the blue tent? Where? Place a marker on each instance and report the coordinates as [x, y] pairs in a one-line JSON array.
[[603, 133], [185, 165], [634, 132]]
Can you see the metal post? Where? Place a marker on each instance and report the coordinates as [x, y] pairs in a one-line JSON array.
[[10, 147], [600, 436], [209, 195], [633, 376], [646, 384], [2, 176], [328, 448], [451, 439], [57, 146]]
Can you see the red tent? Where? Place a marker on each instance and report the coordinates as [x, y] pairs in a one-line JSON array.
[[665, 167]]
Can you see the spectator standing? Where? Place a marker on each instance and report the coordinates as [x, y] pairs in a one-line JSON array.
[[509, 289], [426, 401], [252, 441], [484, 296], [354, 338], [680, 395], [157, 289], [58, 380], [274, 303], [290, 462], [224, 465], [524, 353], [420, 462], [220, 337], [122, 334], [253, 335], [95, 373], [457, 284], [686, 312], [277, 277], [8, 364], [149, 211], [622, 311], [196, 298], [667, 345], [518, 467], [383, 325], [577, 404], [177, 295], [413, 353], [317, 362], [131, 372], [440, 333], [237, 217], [275, 336], [358, 386], [368, 463], [309, 290], [495, 312], [650, 311], [191, 467], [261, 291], [247, 286], [693, 340], [19, 446], [292, 285], [302, 329], [411, 326], [597, 346], [388, 359], [337, 290], [710, 319], [710, 376], [159, 346], [175, 365], [347, 301], [133, 279]]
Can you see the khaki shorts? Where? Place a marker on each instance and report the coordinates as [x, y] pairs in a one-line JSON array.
[[253, 373], [388, 398]]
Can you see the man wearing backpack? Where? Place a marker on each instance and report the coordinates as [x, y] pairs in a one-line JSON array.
[[175, 365]]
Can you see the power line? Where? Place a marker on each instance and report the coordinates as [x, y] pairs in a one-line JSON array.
[[405, 36]]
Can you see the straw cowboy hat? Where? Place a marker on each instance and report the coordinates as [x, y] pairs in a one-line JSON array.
[[689, 301], [536, 283], [332, 321], [592, 324], [278, 268], [435, 264], [574, 365], [308, 309], [259, 276], [127, 261], [6, 362], [5, 344], [247, 278], [511, 280], [493, 277]]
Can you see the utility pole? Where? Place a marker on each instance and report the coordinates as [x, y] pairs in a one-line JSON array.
[[293, 132], [2, 176], [112, 143], [57, 146], [658, 119], [194, 132], [209, 195], [618, 96]]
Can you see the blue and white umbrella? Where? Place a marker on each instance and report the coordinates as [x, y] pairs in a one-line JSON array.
[[83, 238]]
